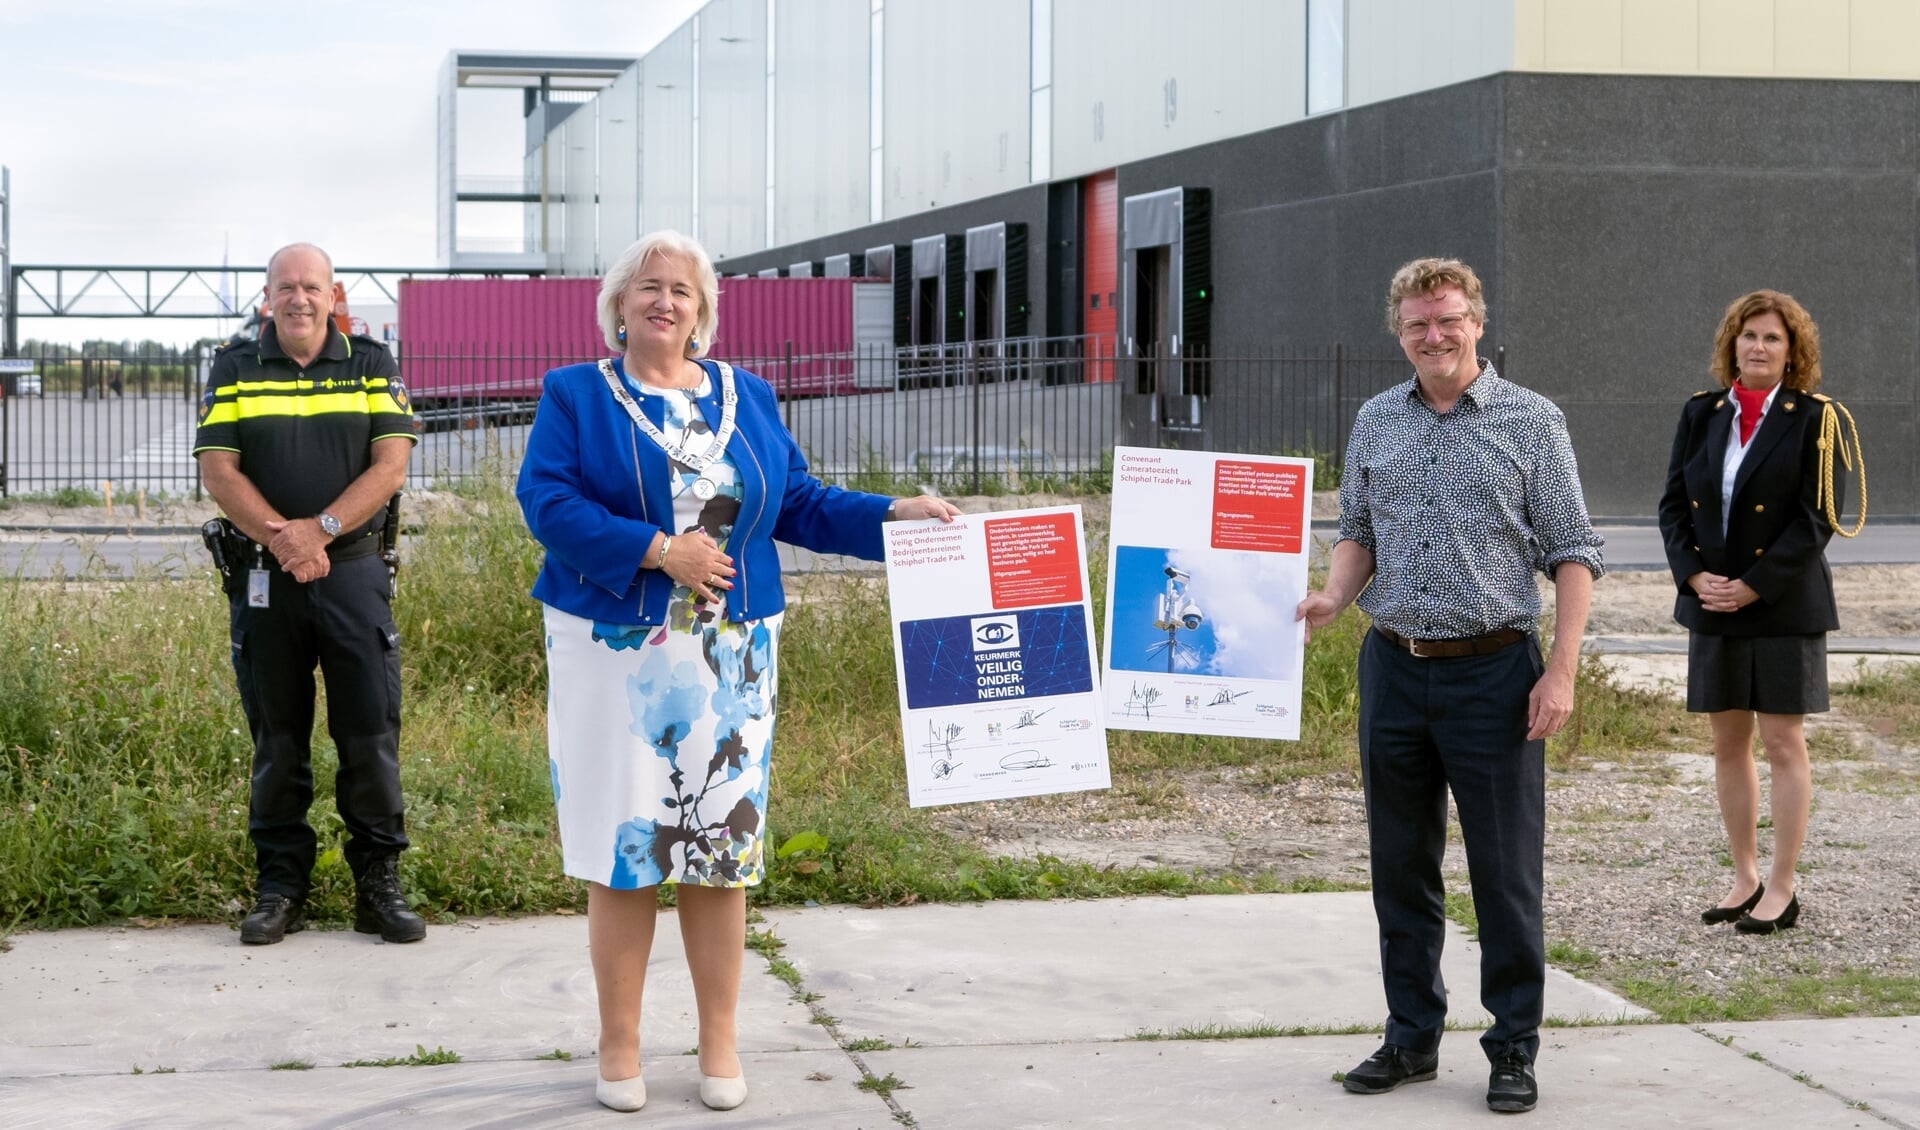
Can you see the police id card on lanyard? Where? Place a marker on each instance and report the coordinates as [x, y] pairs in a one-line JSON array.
[[257, 579]]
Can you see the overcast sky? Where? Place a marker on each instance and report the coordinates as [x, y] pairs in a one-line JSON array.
[[158, 131]]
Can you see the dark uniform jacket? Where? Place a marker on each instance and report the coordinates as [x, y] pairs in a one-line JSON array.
[[1775, 536], [304, 434]]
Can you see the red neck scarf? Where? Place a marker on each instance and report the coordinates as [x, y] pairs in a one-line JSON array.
[[1751, 401]]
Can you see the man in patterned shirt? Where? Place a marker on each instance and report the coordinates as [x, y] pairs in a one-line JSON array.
[[1458, 485]]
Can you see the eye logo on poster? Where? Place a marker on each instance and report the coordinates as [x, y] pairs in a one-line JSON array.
[[996, 633]]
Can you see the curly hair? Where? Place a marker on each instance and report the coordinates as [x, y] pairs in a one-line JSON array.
[[607, 307], [1424, 276], [1803, 339]]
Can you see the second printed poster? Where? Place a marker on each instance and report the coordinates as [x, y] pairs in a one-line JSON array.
[[1208, 558]]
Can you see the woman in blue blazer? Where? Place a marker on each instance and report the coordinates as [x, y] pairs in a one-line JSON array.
[[1745, 538], [658, 483]]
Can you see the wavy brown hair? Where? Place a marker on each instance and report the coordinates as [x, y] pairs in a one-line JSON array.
[[1803, 339], [1424, 276]]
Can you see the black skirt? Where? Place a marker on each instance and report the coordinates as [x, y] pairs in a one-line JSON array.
[[1768, 674]]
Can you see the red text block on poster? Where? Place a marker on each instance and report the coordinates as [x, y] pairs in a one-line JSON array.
[[1258, 506], [1033, 561]]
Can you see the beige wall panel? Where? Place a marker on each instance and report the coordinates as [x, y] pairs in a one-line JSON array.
[[1397, 47], [1885, 39], [1235, 67], [1810, 38], [1529, 35], [1582, 35], [1736, 37], [1659, 36], [956, 102]]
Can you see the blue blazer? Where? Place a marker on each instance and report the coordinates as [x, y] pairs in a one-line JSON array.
[[595, 491]]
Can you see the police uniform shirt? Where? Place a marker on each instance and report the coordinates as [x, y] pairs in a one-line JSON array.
[[303, 435]]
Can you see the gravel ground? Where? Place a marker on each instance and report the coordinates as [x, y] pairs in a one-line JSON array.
[[1634, 848]]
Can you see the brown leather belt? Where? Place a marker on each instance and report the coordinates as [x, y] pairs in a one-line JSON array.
[[1454, 648]]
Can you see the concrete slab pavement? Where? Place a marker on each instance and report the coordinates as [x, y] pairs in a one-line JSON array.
[[1020, 1015]]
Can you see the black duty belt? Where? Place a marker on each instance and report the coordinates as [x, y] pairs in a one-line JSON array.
[[1453, 648]]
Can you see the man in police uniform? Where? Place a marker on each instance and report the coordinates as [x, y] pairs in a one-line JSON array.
[[304, 435]]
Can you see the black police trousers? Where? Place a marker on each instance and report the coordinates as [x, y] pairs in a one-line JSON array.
[[1427, 727], [342, 622]]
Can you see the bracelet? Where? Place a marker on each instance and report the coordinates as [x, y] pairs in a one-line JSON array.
[[660, 562]]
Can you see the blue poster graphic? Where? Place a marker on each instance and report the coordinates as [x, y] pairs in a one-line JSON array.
[[995, 656]]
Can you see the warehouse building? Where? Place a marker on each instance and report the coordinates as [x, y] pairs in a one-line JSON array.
[[1240, 177]]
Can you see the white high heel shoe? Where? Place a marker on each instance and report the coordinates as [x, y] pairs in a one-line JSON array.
[[721, 1092], [621, 1094]]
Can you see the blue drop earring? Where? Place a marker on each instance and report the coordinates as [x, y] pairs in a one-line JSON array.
[[621, 333], [693, 346]]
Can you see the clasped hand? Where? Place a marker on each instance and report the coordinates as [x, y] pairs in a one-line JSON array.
[[697, 561], [1721, 594], [300, 546]]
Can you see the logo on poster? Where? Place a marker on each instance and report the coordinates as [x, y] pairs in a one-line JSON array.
[[995, 633]]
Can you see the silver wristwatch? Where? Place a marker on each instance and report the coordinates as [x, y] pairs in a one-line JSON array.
[[328, 523]]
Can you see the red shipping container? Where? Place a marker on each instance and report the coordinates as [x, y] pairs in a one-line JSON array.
[[466, 340]]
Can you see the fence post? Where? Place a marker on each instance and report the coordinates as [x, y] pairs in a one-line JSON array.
[[1500, 360], [193, 382], [1340, 405], [786, 384], [973, 379]]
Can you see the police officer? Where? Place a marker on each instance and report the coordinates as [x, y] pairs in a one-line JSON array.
[[304, 435]]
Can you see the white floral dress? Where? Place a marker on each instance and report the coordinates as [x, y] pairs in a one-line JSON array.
[[659, 738]]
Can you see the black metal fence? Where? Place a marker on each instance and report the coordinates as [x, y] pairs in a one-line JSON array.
[[980, 417]]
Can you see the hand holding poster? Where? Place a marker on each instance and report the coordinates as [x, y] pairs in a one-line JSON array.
[[995, 656], [1208, 559]]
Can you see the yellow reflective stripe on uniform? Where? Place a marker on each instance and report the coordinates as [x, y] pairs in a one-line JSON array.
[[222, 412], [380, 402], [307, 404]]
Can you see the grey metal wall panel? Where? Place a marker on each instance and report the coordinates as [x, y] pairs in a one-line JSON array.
[[619, 183], [820, 117], [733, 123], [1137, 78], [580, 141], [957, 98], [666, 134]]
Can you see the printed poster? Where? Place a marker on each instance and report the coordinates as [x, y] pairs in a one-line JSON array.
[[994, 656], [1208, 559]]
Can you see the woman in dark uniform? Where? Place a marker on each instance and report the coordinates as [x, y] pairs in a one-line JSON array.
[[1745, 537]]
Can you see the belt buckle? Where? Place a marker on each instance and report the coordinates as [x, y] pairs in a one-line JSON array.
[[1413, 649]]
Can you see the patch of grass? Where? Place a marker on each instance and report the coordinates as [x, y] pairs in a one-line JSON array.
[[291, 1065], [1612, 721], [1887, 700], [882, 1085], [421, 1057], [1567, 955], [1460, 909], [1811, 992], [556, 1053], [869, 1044], [1258, 1030]]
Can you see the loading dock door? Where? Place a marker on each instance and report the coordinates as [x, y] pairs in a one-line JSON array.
[[1165, 274]]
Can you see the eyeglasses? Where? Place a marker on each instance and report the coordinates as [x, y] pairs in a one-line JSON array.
[[1450, 324]]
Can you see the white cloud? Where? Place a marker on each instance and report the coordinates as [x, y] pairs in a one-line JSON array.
[[1249, 599]]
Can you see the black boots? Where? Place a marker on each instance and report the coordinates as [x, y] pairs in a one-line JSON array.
[[380, 908], [273, 917]]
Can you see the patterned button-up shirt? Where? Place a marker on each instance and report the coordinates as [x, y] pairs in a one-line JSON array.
[[1459, 510]]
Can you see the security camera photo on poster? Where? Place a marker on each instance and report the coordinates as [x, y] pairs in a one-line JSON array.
[[1208, 559]]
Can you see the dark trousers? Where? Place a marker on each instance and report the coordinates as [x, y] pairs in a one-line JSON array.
[[1427, 726], [342, 622]]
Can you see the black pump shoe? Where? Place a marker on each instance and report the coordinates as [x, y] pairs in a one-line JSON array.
[[1719, 914], [1748, 924]]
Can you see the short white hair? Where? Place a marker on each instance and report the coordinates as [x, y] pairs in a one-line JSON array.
[[705, 324]]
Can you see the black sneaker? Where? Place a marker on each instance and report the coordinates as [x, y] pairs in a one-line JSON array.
[[273, 917], [1511, 1088], [1388, 1068], [380, 908]]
